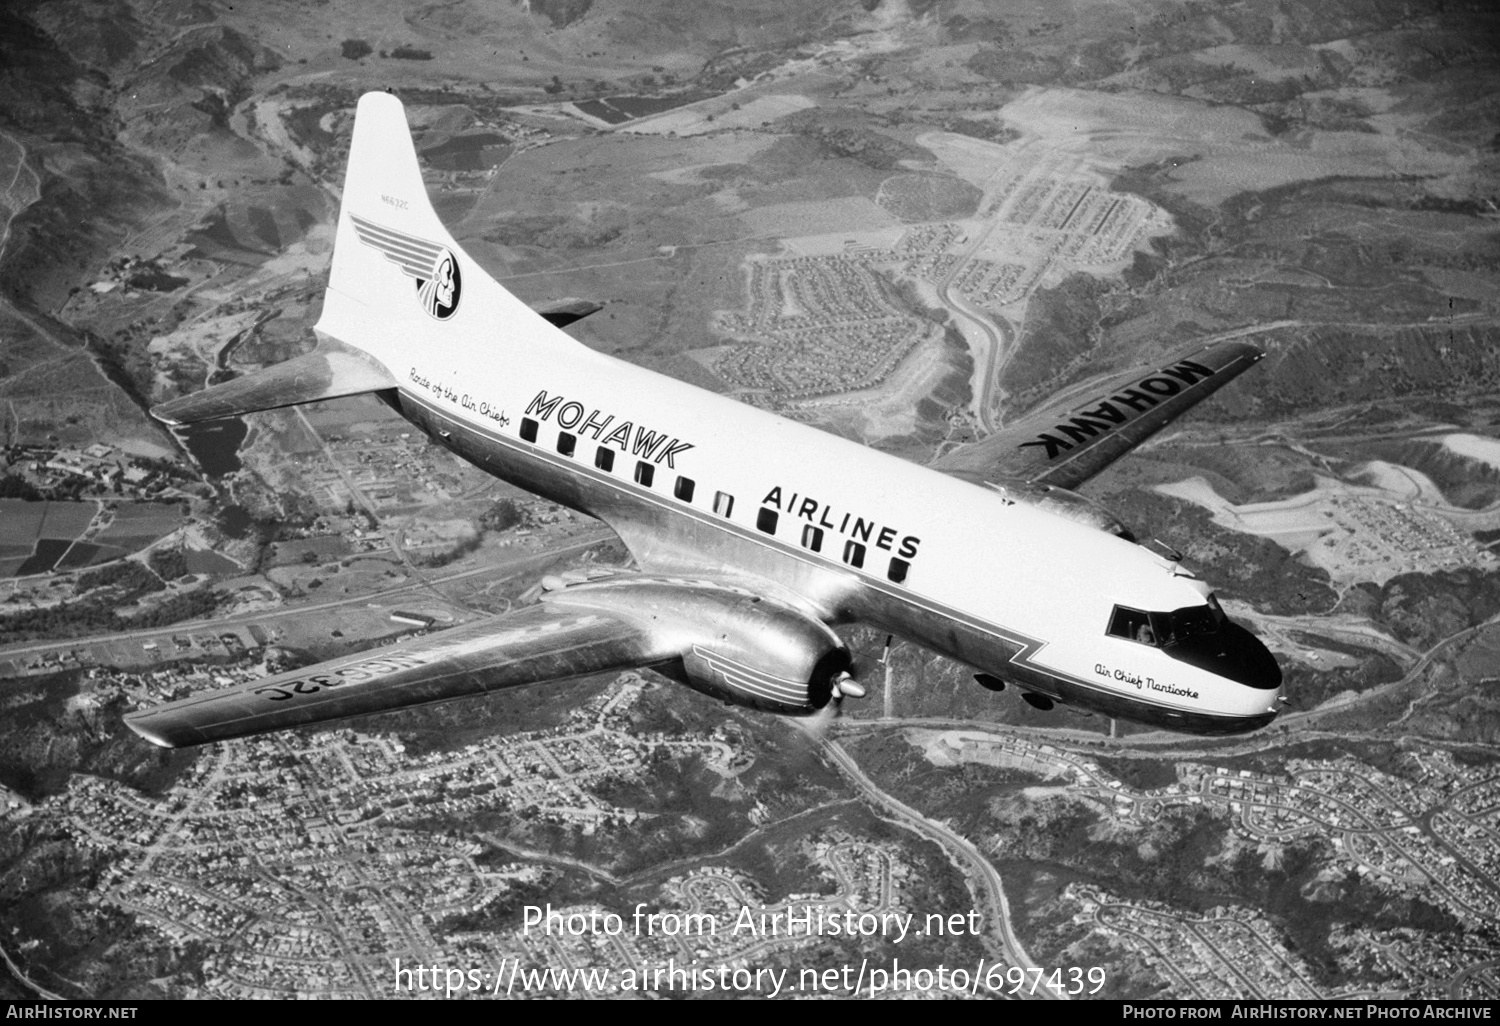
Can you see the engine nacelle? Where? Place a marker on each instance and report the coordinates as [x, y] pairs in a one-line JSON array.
[[723, 641]]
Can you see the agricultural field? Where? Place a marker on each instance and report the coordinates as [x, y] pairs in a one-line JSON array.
[[35, 536], [38, 537]]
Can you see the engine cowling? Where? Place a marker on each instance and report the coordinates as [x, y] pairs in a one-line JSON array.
[[723, 641]]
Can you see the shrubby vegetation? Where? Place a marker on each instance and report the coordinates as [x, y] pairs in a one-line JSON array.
[[105, 590]]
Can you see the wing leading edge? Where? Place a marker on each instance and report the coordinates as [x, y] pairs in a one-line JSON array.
[[1064, 447], [712, 635], [538, 643]]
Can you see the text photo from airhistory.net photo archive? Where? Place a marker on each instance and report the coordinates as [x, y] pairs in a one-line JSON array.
[[845, 499]]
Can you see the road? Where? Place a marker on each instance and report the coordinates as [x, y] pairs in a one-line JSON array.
[[978, 868], [1289, 721], [26, 981], [1350, 630], [989, 359], [394, 537], [24, 189], [218, 624]]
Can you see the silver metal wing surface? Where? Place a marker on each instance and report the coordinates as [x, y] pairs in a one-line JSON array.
[[714, 636], [1065, 445], [531, 645]]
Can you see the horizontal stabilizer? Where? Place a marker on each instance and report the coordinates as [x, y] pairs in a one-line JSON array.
[[562, 312], [325, 374]]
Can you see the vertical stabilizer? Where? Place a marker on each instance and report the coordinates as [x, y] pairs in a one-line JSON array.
[[399, 285], [398, 278], [383, 186]]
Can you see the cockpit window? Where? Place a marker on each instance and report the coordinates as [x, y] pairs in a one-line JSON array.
[[1160, 630], [1133, 625], [1191, 621]]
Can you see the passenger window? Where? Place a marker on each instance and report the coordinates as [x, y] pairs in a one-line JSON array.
[[854, 554], [723, 504], [528, 429], [604, 459], [684, 489], [898, 570], [812, 538], [566, 443], [765, 520], [644, 472]]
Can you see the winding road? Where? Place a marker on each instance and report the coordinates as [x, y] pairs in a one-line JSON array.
[[961, 850]]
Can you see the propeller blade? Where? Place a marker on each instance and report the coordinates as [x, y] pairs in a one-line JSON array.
[[845, 686]]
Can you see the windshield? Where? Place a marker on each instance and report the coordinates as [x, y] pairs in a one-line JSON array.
[[1204, 637], [1160, 630]]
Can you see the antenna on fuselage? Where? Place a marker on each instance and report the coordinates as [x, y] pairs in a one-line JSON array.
[[1162, 549]]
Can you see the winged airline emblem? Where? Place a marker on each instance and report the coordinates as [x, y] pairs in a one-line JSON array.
[[433, 266]]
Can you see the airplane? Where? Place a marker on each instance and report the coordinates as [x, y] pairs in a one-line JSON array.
[[752, 537]]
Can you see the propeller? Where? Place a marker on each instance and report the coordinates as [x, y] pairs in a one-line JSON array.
[[845, 686]]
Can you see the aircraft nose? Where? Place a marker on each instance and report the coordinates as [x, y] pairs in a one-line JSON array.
[[1248, 660], [1234, 653], [1257, 666]]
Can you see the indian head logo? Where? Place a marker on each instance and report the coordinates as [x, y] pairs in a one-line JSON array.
[[434, 267], [440, 290]]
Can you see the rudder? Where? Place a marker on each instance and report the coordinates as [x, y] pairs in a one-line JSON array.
[[397, 273], [385, 216], [398, 283]]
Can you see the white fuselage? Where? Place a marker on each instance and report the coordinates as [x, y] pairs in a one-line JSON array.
[[1015, 591]]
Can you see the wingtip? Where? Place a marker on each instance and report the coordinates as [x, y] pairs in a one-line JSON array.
[[163, 415], [376, 98], [133, 721]]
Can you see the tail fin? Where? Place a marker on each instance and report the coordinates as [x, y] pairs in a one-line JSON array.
[[386, 223], [398, 282], [399, 279]]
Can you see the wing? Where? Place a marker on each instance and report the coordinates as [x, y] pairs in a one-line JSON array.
[[711, 635], [1070, 441], [534, 644]]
